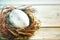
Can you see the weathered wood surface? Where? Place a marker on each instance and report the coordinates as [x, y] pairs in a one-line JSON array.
[[49, 15], [47, 33]]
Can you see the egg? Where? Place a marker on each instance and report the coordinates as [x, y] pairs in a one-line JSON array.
[[18, 18]]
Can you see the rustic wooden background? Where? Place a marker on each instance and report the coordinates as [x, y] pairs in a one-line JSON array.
[[47, 12]]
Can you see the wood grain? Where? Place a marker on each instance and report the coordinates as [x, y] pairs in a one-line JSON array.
[[47, 33]]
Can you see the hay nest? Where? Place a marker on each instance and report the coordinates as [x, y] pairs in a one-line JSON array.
[[9, 32]]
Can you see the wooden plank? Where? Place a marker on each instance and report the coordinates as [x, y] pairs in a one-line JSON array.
[[49, 26], [30, 1], [49, 15], [47, 33]]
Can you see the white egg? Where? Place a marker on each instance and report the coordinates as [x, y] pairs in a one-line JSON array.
[[18, 18]]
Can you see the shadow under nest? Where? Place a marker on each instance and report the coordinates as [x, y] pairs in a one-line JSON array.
[[13, 33]]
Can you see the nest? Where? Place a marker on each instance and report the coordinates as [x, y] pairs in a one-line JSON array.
[[9, 32]]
